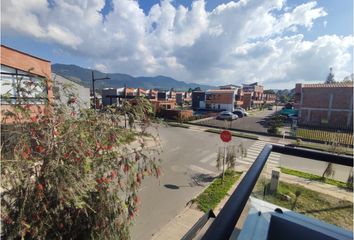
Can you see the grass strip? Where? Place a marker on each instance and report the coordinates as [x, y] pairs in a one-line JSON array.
[[322, 147], [177, 125], [216, 191], [317, 178], [311, 203], [242, 135]]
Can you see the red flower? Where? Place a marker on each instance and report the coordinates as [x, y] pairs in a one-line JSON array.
[[113, 174], [136, 199], [61, 226], [40, 149], [26, 152], [138, 178], [158, 172], [126, 168], [106, 180], [99, 180], [34, 119], [40, 187], [66, 155]]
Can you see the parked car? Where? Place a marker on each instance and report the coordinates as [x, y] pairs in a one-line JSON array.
[[245, 114], [240, 108], [270, 107], [239, 113], [227, 116]]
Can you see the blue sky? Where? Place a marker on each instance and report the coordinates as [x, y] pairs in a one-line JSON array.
[[274, 42]]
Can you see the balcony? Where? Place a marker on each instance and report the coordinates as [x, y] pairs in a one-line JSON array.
[[244, 217]]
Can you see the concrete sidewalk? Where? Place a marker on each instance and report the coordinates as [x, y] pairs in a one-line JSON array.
[[183, 222]]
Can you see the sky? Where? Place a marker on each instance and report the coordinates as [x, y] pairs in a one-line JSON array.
[[274, 42]]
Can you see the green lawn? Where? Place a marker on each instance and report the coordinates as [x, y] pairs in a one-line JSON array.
[[324, 147], [216, 191], [315, 204], [242, 135], [316, 178]]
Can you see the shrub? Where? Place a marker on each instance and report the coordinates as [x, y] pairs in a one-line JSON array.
[[273, 130], [69, 174]]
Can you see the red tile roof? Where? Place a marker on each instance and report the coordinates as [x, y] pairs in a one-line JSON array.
[[329, 85]]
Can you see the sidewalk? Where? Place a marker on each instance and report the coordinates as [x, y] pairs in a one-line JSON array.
[[183, 222], [315, 186]]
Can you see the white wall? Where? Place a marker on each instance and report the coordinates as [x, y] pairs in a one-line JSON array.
[[226, 107]]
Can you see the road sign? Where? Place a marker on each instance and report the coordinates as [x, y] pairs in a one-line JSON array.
[[225, 136]]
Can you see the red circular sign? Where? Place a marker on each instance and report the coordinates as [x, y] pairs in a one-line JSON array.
[[225, 136]]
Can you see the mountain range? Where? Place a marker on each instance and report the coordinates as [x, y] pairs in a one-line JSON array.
[[83, 76]]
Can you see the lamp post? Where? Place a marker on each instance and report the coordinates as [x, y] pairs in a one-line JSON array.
[[93, 88]]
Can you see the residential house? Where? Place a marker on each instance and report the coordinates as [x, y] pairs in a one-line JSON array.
[[220, 100], [325, 105], [198, 100], [23, 68]]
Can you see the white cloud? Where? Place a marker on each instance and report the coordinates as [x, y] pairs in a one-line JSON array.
[[101, 67], [243, 41]]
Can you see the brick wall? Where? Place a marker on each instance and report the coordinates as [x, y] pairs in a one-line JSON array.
[[25, 62], [22, 61], [326, 105]]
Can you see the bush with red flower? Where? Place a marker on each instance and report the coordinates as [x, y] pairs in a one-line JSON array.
[[73, 176]]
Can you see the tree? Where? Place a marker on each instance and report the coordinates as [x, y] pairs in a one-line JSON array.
[[349, 78], [70, 174], [269, 91], [227, 157], [330, 77]]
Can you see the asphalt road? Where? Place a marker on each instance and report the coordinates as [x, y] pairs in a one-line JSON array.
[[254, 122], [188, 166]]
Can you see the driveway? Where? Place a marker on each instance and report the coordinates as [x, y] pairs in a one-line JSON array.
[[255, 122]]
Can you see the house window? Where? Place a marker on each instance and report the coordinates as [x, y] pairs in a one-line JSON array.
[[17, 85]]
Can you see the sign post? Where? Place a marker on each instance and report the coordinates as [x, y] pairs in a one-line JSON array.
[[226, 137]]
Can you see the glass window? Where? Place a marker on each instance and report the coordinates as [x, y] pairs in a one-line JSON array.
[[19, 85]]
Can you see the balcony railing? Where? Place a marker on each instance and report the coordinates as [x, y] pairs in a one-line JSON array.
[[224, 224]]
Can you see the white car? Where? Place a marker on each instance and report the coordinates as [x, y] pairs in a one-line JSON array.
[[227, 116]]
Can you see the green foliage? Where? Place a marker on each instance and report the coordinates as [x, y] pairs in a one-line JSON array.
[[314, 177], [330, 77], [68, 173], [315, 204], [216, 191], [227, 160]]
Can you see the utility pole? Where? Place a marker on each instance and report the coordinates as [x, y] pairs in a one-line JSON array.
[[93, 88]]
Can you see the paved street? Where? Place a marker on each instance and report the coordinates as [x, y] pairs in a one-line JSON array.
[[255, 122], [189, 160], [188, 164]]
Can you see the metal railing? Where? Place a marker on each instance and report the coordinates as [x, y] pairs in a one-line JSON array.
[[224, 224]]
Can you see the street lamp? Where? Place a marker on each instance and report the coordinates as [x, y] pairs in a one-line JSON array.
[[93, 87]]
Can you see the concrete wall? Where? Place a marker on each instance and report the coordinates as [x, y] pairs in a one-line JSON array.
[[82, 93]]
